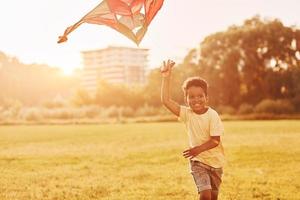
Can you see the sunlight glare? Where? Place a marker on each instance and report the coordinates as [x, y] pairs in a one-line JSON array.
[[67, 71]]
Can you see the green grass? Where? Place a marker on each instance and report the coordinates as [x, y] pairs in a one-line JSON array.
[[143, 161]]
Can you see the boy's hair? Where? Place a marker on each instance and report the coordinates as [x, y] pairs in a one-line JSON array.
[[194, 81]]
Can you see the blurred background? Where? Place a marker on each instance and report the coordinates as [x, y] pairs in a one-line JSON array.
[[248, 51], [69, 112]]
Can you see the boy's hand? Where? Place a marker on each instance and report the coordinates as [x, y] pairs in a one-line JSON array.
[[192, 152], [167, 68], [195, 151]]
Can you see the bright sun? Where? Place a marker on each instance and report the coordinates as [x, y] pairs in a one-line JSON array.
[[67, 71]]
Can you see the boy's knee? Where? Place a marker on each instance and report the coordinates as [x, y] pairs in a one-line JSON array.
[[205, 195]]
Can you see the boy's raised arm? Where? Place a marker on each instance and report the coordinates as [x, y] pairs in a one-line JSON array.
[[165, 88]]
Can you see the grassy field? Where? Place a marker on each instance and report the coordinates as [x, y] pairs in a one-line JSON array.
[[143, 161]]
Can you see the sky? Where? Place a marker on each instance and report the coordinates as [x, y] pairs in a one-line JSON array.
[[29, 29]]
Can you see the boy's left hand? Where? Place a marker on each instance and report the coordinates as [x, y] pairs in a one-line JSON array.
[[166, 68], [192, 152]]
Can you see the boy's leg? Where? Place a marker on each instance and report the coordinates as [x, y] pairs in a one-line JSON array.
[[202, 180], [214, 195], [216, 180], [207, 180], [205, 195]]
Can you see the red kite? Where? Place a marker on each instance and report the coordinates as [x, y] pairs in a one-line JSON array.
[[125, 16]]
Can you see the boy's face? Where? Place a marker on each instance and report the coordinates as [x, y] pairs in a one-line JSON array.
[[196, 99]]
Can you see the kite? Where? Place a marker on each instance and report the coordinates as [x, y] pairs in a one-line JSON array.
[[129, 17]]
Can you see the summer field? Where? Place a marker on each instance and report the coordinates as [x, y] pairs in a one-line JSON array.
[[143, 161]]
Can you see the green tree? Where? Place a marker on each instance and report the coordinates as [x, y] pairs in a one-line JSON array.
[[118, 95], [82, 98], [251, 62]]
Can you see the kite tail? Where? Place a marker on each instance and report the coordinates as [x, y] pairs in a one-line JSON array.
[[62, 39]]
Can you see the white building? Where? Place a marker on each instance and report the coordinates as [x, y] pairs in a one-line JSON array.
[[119, 65]]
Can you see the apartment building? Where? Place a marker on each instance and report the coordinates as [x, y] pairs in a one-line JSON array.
[[117, 65]]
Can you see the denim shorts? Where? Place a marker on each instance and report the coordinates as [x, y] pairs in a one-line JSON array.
[[205, 176]]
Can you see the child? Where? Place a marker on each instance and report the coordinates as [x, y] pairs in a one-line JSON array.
[[204, 128]]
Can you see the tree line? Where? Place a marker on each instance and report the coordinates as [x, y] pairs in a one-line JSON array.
[[255, 63], [32, 84]]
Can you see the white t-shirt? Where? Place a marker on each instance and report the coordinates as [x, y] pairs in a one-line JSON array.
[[199, 128]]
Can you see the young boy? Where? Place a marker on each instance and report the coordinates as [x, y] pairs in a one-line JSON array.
[[204, 128]]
